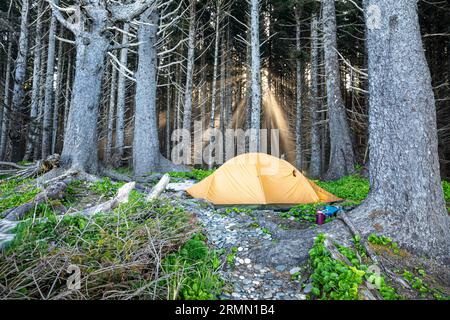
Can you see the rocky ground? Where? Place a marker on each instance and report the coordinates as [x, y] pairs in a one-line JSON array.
[[238, 232], [259, 266]]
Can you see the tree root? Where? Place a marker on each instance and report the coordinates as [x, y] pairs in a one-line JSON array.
[[371, 253], [54, 191], [24, 172]]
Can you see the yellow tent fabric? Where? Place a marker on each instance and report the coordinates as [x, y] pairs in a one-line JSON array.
[[259, 179]]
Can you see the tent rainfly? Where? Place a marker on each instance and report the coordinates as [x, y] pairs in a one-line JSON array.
[[259, 179]]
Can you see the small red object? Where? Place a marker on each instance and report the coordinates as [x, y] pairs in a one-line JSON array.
[[320, 218]]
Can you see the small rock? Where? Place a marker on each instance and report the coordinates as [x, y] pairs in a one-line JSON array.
[[247, 261], [281, 268], [279, 295], [240, 249], [308, 288], [294, 270]]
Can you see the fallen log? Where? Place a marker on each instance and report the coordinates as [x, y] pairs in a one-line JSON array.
[[122, 196], [159, 188], [54, 191]]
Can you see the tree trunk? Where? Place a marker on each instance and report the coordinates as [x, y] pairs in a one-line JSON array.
[[80, 149], [168, 117], [38, 138], [146, 154], [121, 108], [298, 87], [5, 113], [17, 125], [342, 159], [212, 119], [406, 200], [36, 86], [187, 117], [49, 81], [255, 77], [315, 167], [56, 111], [111, 112], [67, 94]]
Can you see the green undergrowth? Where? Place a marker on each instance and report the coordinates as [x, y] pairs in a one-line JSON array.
[[119, 253], [15, 192], [106, 187], [124, 170], [193, 271], [417, 283], [446, 187], [237, 210], [195, 174], [335, 280], [384, 241], [352, 188]]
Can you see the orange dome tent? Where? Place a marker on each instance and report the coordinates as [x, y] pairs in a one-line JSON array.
[[259, 179]]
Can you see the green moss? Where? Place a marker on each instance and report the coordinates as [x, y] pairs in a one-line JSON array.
[[196, 174], [384, 241], [446, 187], [124, 170], [14, 193], [353, 188], [106, 187]]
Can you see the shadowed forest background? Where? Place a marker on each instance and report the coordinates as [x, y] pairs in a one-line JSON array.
[[226, 67]]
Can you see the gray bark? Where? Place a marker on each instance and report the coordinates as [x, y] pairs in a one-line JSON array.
[[255, 124], [168, 119], [56, 113], [190, 70], [111, 112], [204, 85], [212, 115], [121, 108], [4, 119], [19, 88], [36, 86], [315, 167], [92, 39], [38, 138], [146, 154], [298, 87], [406, 200], [49, 81], [342, 159], [67, 93], [80, 149]]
